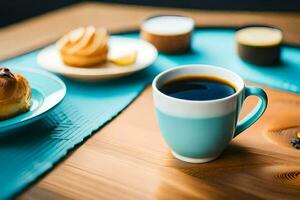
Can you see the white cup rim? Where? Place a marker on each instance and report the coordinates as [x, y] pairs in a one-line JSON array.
[[164, 73]]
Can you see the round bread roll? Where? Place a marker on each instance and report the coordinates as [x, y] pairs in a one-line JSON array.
[[84, 47], [15, 94]]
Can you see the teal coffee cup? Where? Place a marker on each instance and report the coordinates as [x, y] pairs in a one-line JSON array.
[[198, 131]]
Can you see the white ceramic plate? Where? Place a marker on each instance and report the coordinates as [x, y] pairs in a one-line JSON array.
[[49, 58]]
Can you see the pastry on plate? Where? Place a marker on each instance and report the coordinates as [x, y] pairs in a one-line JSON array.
[[15, 94], [84, 47]]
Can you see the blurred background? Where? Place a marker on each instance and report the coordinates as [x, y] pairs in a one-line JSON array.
[[12, 11]]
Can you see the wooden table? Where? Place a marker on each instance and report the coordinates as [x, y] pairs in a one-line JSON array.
[[128, 158]]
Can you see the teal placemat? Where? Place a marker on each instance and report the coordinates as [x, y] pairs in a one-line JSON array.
[[27, 155]]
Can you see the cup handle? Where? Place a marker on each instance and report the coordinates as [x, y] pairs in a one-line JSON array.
[[256, 113]]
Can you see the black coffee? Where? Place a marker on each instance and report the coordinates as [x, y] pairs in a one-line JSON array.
[[198, 88]]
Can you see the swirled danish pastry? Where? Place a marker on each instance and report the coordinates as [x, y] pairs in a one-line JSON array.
[[15, 94], [84, 47]]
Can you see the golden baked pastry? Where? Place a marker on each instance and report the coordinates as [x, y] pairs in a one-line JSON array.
[[15, 94], [84, 47]]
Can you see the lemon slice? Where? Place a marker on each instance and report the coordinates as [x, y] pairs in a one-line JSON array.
[[125, 59]]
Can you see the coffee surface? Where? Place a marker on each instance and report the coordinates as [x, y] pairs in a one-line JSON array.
[[198, 88]]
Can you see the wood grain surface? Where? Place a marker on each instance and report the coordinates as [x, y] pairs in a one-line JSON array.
[[128, 158]]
